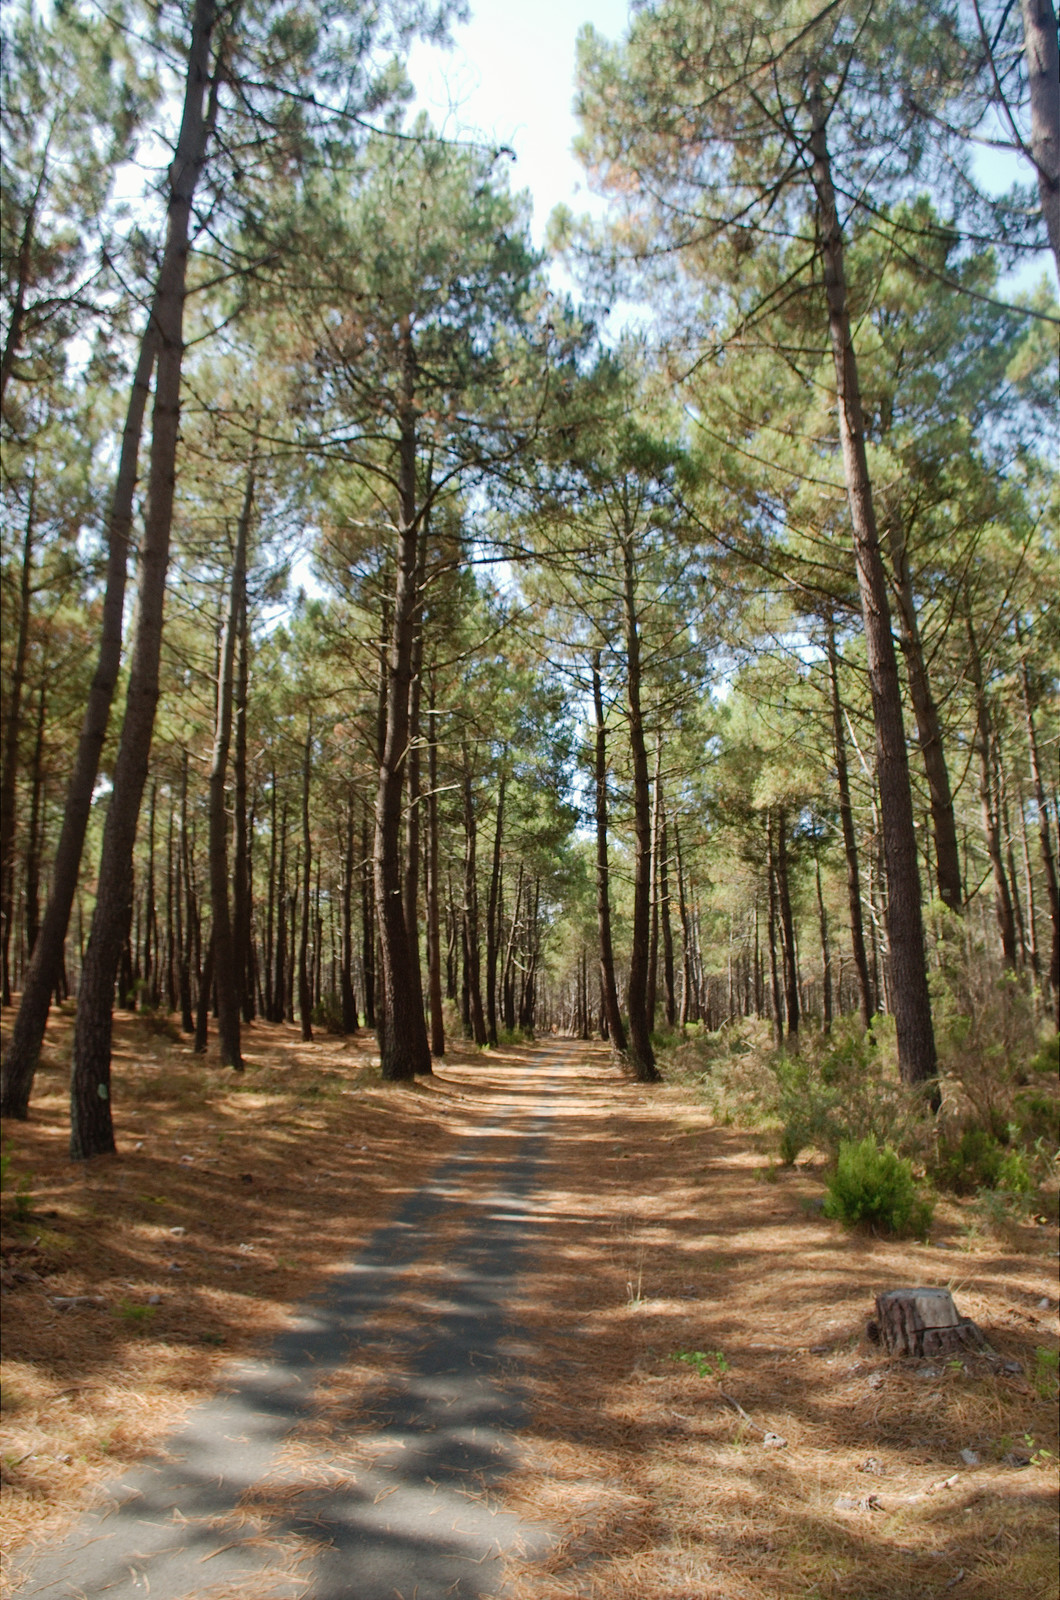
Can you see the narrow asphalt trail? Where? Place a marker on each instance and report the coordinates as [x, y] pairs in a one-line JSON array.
[[249, 1501]]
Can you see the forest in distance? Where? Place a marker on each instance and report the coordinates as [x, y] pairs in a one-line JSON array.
[[393, 640]]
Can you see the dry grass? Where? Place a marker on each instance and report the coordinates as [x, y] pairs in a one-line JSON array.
[[662, 1233], [672, 1235], [230, 1198]]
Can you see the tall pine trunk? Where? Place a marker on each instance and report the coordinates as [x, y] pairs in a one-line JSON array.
[[866, 1002], [1045, 837], [929, 730], [910, 999], [642, 1056], [305, 996], [615, 1027], [493, 931], [403, 1047], [92, 1128], [471, 918], [226, 954], [12, 728], [988, 800]]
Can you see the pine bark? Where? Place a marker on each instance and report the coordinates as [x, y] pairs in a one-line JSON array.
[[988, 800], [493, 931], [909, 984], [434, 923], [1049, 864], [12, 729], [641, 1053], [787, 928], [226, 954], [615, 1026], [866, 1001], [1042, 56], [929, 731], [349, 1000], [403, 1047], [471, 907], [305, 994], [92, 1129]]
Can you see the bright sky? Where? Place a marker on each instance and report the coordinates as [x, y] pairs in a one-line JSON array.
[[510, 76]]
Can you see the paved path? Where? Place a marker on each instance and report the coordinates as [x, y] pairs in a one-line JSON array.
[[250, 1502]]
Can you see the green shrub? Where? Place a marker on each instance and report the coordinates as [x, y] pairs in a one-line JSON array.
[[980, 1161], [876, 1185], [327, 1014], [1048, 1057]]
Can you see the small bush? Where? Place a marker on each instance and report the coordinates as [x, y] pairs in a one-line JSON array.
[[979, 1161], [327, 1014], [158, 1024], [1046, 1372], [876, 1185]]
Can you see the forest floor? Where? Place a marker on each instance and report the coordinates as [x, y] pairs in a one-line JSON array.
[[672, 1299]]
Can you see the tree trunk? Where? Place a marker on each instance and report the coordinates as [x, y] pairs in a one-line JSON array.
[[688, 985], [650, 1002], [185, 907], [984, 743], [226, 955], [12, 729], [492, 915], [279, 986], [202, 1010], [1045, 836], [615, 1027], [305, 996], [367, 926], [403, 1047], [92, 1129], [669, 987], [434, 924], [850, 847], [787, 927], [826, 959], [1043, 75], [412, 779], [923, 1322], [642, 1056], [909, 985], [241, 907], [35, 843], [943, 821], [349, 1000], [774, 970], [471, 928], [20, 1060]]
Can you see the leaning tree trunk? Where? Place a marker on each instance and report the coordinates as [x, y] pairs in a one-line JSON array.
[[225, 953], [911, 1001], [403, 1047], [642, 1056], [609, 990], [1043, 75], [92, 1128], [20, 1061]]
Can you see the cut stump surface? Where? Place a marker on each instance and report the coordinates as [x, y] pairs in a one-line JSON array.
[[923, 1322]]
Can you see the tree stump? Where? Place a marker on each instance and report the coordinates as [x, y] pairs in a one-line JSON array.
[[923, 1322]]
